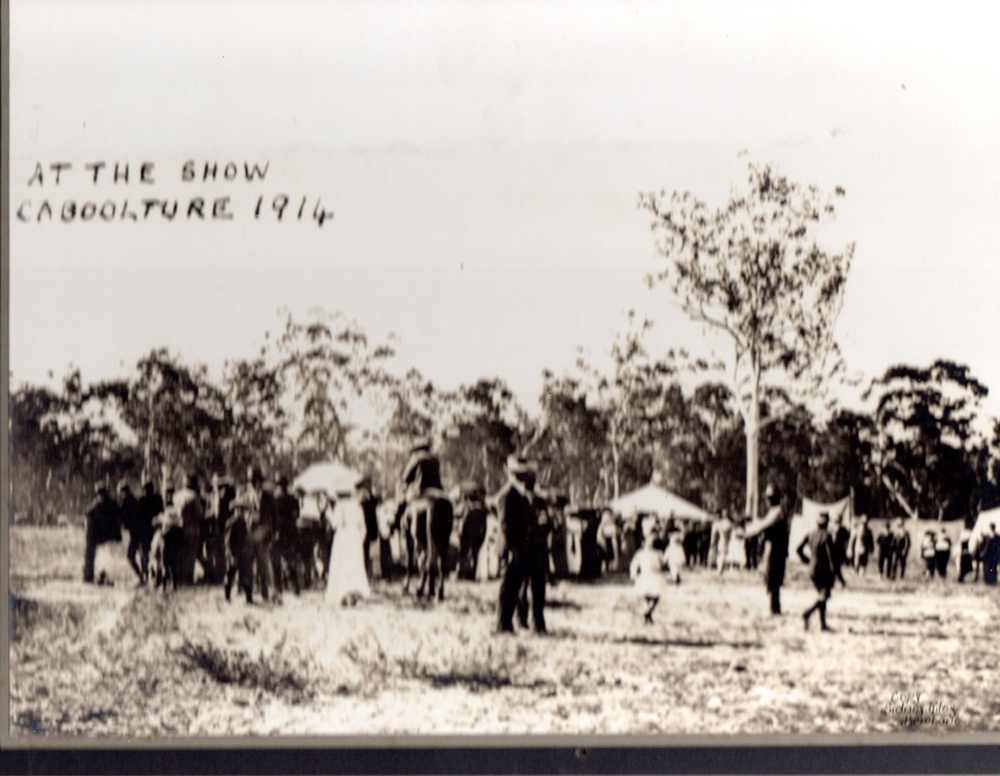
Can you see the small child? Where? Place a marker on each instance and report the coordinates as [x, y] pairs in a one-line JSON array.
[[674, 557], [645, 571]]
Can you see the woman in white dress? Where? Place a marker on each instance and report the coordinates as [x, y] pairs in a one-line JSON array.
[[348, 578]]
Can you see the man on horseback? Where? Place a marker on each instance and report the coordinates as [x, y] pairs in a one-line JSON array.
[[429, 514]]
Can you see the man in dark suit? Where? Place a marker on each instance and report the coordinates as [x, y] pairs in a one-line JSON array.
[[524, 546], [102, 526], [900, 550], [150, 506], [256, 505], [285, 545], [774, 530], [128, 508], [823, 568], [189, 506]]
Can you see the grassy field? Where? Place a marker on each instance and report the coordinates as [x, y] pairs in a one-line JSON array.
[[120, 661]]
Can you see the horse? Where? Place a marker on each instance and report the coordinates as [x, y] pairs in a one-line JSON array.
[[425, 526]]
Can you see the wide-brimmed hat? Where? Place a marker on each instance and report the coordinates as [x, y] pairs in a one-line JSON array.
[[823, 519], [123, 484], [420, 443]]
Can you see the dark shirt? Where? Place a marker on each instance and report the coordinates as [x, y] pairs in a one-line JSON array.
[[422, 472], [150, 505], [518, 518], [287, 511], [823, 566], [103, 520], [129, 510]]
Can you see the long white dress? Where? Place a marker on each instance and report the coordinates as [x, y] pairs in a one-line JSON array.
[[347, 573]]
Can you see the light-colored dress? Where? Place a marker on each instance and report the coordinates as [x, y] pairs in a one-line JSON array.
[[646, 571], [347, 573], [736, 556], [673, 556]]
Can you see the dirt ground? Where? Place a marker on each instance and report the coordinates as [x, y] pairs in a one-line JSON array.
[[121, 661]]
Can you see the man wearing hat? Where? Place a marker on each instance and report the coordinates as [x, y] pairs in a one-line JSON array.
[[128, 508], [255, 504], [900, 550], [823, 567], [149, 508], [422, 472], [285, 546], [189, 507], [774, 530], [102, 526], [527, 559], [422, 481]]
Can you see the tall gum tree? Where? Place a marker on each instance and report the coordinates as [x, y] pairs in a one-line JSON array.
[[754, 271]]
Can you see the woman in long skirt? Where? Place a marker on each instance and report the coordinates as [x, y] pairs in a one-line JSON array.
[[348, 578]]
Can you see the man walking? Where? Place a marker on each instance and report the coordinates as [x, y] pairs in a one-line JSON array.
[[823, 568], [128, 508], [102, 526], [774, 530], [519, 529]]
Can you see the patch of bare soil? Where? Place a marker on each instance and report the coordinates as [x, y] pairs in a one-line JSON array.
[[121, 661]]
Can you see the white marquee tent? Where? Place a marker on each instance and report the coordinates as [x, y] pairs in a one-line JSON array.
[[654, 500]]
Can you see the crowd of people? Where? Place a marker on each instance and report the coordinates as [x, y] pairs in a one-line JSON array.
[[268, 538]]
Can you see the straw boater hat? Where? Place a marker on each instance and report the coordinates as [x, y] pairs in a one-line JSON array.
[[421, 443]]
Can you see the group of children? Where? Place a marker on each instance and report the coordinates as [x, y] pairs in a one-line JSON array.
[[648, 565]]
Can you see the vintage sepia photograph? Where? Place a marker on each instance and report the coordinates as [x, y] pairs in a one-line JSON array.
[[502, 369]]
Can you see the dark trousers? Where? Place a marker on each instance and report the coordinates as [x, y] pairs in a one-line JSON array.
[[261, 557], [525, 570], [90, 553], [138, 552], [899, 566], [941, 561], [239, 562], [287, 552], [774, 592]]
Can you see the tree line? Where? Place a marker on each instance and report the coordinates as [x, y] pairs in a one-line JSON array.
[[752, 270]]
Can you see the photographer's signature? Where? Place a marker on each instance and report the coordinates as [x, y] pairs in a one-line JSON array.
[[913, 709]]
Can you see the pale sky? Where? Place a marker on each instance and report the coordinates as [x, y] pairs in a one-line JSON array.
[[483, 161]]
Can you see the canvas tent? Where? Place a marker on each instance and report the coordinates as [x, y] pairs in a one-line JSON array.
[[803, 523], [982, 526], [654, 500]]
